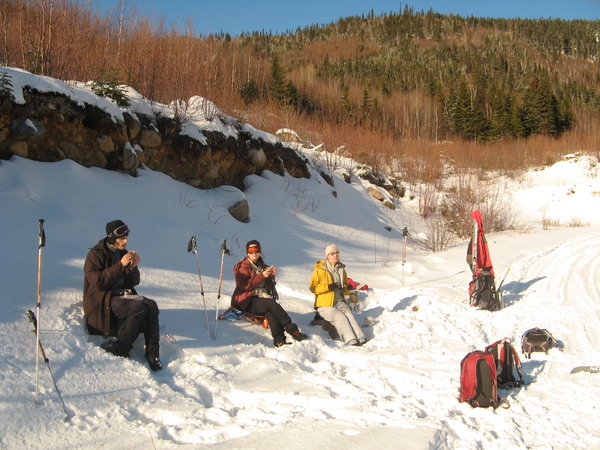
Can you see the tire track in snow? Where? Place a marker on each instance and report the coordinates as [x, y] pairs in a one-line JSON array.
[[568, 283]]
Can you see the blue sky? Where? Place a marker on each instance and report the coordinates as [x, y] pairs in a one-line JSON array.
[[236, 16]]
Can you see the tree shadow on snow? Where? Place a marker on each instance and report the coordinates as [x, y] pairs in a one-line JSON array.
[[512, 292]]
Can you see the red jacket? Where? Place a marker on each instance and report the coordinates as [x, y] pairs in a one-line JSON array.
[[246, 280]]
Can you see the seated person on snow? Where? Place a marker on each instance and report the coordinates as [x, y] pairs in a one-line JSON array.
[[111, 306], [329, 283], [255, 293]]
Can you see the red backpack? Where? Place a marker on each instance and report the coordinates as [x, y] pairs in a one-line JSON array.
[[478, 383], [508, 366]]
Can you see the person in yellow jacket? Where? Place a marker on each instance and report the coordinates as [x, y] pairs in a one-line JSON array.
[[329, 283]]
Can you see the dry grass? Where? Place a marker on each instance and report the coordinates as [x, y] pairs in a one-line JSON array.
[[66, 39]]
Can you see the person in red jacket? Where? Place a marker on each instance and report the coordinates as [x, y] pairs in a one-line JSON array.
[[255, 293], [111, 305]]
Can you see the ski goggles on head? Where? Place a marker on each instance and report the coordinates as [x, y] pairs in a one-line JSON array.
[[120, 232], [254, 250]]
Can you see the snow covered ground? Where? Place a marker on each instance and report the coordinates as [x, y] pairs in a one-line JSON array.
[[238, 391], [398, 391]]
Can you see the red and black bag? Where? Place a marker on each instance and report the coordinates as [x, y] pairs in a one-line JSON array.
[[478, 381], [482, 288], [508, 365]]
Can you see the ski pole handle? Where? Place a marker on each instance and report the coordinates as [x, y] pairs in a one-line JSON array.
[[192, 246], [31, 316], [41, 234], [224, 248], [224, 251]]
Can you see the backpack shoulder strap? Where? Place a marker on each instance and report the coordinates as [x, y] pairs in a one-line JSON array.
[[551, 338]]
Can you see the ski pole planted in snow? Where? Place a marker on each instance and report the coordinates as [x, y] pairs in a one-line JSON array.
[[193, 247], [500, 287], [404, 236], [224, 251], [474, 250], [40, 349], [502, 282], [474, 235], [41, 243]]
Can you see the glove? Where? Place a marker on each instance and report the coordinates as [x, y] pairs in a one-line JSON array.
[[353, 298], [333, 286], [353, 302]]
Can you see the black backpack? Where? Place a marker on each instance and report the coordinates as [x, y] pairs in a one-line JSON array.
[[537, 340], [483, 292], [508, 366]]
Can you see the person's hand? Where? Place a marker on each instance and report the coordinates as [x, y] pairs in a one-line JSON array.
[[135, 260], [269, 272], [126, 259], [130, 259], [353, 302], [333, 286]]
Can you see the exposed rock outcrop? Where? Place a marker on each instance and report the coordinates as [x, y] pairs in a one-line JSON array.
[[52, 127]]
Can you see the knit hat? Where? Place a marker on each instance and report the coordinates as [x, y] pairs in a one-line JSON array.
[[330, 248], [116, 229], [252, 243]]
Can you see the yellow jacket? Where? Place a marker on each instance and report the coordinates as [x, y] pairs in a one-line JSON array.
[[320, 281]]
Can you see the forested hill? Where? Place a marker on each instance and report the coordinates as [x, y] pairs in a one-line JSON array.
[[488, 78], [495, 93]]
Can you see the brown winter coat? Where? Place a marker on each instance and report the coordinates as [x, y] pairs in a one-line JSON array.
[[100, 277]]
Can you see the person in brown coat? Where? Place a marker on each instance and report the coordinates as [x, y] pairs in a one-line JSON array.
[[111, 306], [255, 292]]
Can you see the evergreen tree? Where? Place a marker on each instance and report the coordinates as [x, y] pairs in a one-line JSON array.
[[347, 110], [5, 86], [541, 108], [365, 106], [249, 92], [112, 87], [465, 114], [278, 90]]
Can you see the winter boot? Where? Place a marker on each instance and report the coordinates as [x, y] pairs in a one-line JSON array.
[[298, 335], [280, 341], [116, 348], [154, 362]]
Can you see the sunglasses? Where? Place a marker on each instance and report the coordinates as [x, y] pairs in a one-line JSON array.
[[121, 231], [334, 253], [254, 250]]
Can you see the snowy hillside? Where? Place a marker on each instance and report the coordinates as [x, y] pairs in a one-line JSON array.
[[398, 391]]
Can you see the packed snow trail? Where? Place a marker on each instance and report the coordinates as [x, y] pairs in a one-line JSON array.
[[564, 280]]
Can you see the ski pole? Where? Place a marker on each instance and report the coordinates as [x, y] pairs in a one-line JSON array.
[[224, 251], [34, 322], [193, 247], [474, 249], [404, 236], [41, 243], [502, 282]]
